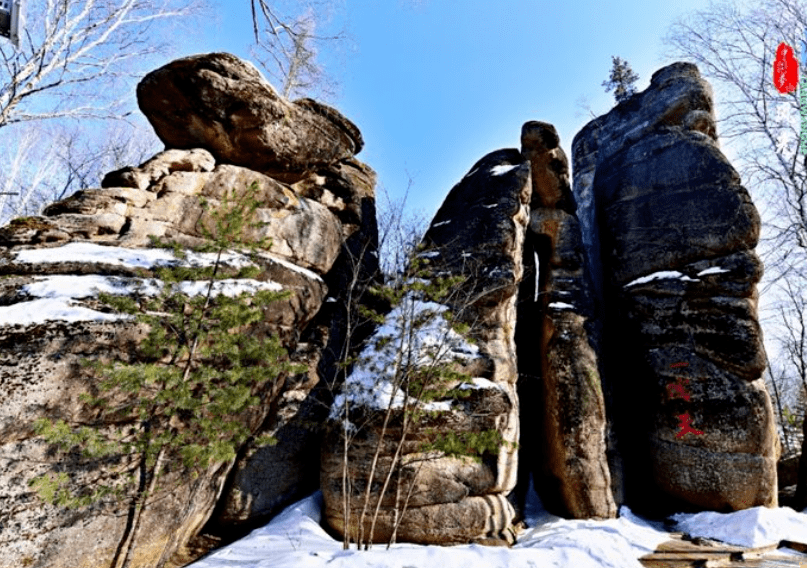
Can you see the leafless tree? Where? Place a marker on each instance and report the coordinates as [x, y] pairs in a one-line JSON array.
[[400, 230], [74, 52], [287, 44], [793, 315], [735, 48], [19, 181], [734, 45], [48, 162], [77, 60]]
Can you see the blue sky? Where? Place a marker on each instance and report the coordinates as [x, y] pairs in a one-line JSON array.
[[436, 84]]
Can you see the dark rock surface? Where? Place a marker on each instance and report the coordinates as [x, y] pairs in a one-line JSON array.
[[670, 232], [478, 233], [563, 445]]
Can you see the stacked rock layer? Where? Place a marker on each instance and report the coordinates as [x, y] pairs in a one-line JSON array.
[[322, 232]]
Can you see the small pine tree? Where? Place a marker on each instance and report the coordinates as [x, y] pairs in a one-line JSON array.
[[184, 396], [622, 80]]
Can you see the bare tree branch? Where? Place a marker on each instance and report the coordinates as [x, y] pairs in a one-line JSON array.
[[734, 45], [74, 51], [287, 45]]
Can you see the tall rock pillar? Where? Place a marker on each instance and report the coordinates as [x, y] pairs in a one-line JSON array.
[[672, 232], [563, 409], [418, 493]]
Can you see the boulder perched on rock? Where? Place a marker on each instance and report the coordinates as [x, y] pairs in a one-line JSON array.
[[321, 231], [439, 471], [670, 231], [223, 104]]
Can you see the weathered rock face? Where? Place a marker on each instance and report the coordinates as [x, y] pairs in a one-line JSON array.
[[562, 445], [322, 232], [223, 104], [47, 293], [435, 497], [671, 233], [267, 478]]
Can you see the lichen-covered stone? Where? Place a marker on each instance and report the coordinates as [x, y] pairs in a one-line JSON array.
[[44, 378], [563, 408]]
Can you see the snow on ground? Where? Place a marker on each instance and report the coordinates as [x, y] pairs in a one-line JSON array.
[[758, 526], [295, 539]]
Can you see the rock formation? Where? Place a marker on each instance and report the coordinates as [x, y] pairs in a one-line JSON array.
[[603, 342], [224, 104], [478, 235], [563, 445], [511, 215], [801, 490], [322, 230], [671, 232]]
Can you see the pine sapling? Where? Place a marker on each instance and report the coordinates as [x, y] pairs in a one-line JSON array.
[[185, 396]]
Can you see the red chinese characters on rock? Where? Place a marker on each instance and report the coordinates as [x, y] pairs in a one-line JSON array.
[[686, 428], [678, 390]]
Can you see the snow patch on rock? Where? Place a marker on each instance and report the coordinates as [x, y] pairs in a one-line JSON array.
[[713, 270], [479, 383], [56, 296], [501, 169], [414, 334], [121, 256], [661, 275]]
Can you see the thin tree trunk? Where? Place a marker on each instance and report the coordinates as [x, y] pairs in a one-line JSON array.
[[380, 444], [345, 484], [141, 506], [402, 512], [782, 420]]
